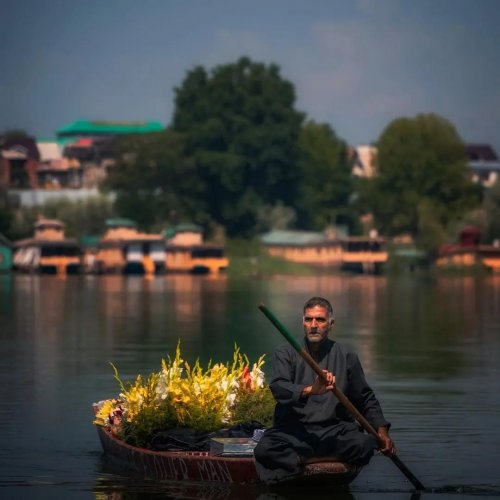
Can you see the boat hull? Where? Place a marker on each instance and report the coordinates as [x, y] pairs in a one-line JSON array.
[[201, 466]]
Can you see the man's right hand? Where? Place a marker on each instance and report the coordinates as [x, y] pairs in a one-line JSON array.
[[319, 386]]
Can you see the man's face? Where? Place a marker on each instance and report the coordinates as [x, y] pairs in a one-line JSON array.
[[317, 324]]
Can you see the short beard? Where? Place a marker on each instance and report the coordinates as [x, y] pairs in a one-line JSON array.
[[316, 339]]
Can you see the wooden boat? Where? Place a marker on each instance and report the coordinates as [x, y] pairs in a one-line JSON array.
[[202, 466]]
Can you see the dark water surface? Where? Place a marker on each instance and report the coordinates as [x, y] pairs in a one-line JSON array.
[[430, 347]]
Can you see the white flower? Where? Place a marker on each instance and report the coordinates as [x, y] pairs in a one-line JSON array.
[[231, 398], [257, 377], [162, 388]]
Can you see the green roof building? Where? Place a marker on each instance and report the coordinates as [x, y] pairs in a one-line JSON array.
[[170, 232], [120, 222], [87, 128], [292, 237]]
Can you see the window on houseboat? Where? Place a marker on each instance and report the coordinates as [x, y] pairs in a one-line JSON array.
[[56, 250], [207, 252]]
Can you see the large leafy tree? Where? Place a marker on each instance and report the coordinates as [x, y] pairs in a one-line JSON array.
[[421, 184], [241, 136], [327, 185], [6, 218], [11, 134], [153, 183]]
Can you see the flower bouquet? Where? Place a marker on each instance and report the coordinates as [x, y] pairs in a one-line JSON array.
[[191, 397]]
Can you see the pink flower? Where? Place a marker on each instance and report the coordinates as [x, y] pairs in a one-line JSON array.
[[115, 417]]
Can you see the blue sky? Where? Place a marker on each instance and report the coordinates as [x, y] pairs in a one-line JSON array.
[[356, 65]]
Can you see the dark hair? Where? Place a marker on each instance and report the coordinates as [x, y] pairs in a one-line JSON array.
[[319, 301]]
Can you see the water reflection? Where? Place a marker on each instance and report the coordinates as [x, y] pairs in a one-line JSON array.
[[128, 490], [430, 347], [118, 487], [6, 284]]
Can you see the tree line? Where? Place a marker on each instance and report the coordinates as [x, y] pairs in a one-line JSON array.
[[239, 157]]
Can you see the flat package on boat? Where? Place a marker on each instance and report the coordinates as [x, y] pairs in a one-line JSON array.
[[241, 447]]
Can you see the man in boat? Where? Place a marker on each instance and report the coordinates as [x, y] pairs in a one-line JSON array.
[[309, 421]]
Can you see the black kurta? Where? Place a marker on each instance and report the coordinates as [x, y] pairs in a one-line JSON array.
[[318, 424]]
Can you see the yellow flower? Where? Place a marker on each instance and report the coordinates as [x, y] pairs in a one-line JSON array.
[[105, 411], [203, 399]]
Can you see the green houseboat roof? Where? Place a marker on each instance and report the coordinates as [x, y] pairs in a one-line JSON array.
[[120, 222], [87, 127], [283, 237]]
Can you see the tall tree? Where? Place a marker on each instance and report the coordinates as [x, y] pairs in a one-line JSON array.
[[8, 135], [153, 183], [241, 132], [6, 217], [326, 181], [421, 175]]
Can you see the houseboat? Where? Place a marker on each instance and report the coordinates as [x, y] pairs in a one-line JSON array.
[[125, 250], [49, 251], [187, 252], [366, 254], [469, 252]]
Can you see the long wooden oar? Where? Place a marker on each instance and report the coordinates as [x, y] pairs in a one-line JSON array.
[[338, 393]]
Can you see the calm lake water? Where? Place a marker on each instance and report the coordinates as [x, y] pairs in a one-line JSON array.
[[430, 348]]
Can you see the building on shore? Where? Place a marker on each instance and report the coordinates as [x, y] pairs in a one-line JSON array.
[[483, 163], [125, 250], [346, 253], [92, 145], [469, 252], [187, 251], [19, 160], [72, 165], [48, 251]]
